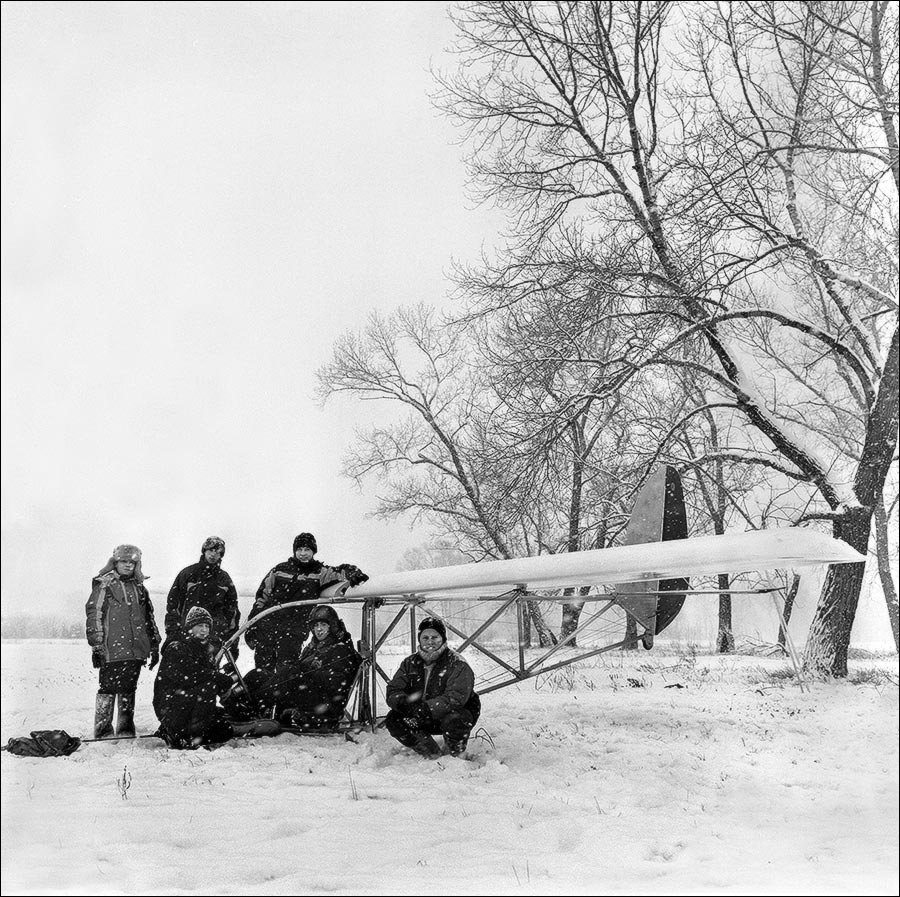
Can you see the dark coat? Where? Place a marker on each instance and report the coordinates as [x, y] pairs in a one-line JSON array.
[[119, 618], [448, 687], [285, 632], [318, 684], [186, 687], [210, 587]]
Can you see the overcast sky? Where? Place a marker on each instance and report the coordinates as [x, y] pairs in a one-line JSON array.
[[198, 198]]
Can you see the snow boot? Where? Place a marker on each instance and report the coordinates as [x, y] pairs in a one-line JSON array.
[[103, 714], [426, 747], [125, 719], [257, 728], [456, 747]]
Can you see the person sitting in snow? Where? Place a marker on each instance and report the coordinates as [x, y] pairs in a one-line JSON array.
[[186, 688], [310, 693], [432, 692], [205, 584], [316, 689], [121, 630], [280, 636]]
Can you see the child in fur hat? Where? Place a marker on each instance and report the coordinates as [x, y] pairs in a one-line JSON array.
[[121, 630]]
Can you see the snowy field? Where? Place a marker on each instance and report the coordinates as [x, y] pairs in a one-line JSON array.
[[653, 773]]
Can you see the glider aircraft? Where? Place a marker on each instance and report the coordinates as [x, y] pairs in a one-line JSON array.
[[647, 578]]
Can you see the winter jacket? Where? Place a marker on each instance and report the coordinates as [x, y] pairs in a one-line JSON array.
[[450, 685], [187, 684], [290, 581], [120, 618], [210, 587], [320, 682]]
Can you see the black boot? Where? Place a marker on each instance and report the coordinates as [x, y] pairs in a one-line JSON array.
[[103, 714], [426, 746], [125, 719], [456, 747], [257, 728]]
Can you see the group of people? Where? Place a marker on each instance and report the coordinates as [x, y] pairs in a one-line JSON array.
[[305, 660]]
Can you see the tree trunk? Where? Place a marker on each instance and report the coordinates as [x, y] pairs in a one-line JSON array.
[[571, 614], [883, 553], [828, 642], [631, 633], [546, 638], [526, 625], [829, 634], [789, 600], [725, 635]]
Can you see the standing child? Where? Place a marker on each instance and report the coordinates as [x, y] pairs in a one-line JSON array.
[[122, 633]]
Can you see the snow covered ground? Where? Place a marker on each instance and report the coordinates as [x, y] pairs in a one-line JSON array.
[[650, 773]]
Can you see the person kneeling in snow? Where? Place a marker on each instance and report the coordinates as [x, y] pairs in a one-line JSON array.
[[433, 692], [186, 688]]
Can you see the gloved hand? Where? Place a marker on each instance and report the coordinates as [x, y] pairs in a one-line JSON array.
[[417, 715], [154, 658], [250, 640], [97, 658], [423, 713], [234, 690], [407, 702], [352, 574]]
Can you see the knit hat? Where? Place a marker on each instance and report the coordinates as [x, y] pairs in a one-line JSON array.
[[305, 540], [215, 543], [435, 624], [127, 553], [197, 615]]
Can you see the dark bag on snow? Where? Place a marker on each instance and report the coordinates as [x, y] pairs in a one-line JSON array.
[[44, 743]]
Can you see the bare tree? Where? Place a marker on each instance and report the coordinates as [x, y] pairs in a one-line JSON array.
[[713, 219], [578, 452], [434, 464], [820, 147], [717, 491]]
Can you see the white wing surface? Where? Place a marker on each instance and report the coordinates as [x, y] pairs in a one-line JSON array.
[[774, 549]]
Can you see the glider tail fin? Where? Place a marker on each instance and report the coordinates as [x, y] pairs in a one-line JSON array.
[[658, 516]]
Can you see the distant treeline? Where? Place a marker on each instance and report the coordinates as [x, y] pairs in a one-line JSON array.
[[28, 626]]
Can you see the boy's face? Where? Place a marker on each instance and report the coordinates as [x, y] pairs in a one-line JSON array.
[[321, 630], [304, 554], [125, 568], [213, 555], [200, 631]]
